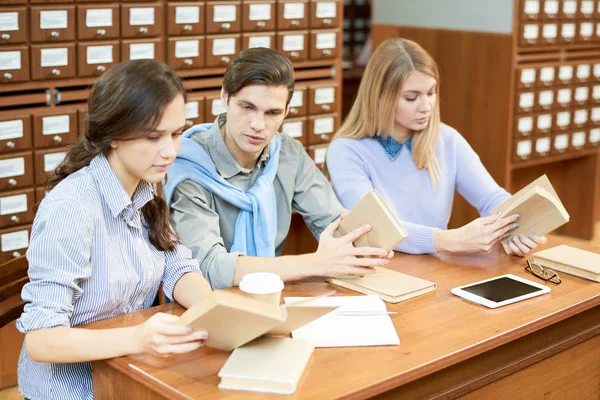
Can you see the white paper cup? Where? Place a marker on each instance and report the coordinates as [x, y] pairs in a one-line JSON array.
[[263, 286]]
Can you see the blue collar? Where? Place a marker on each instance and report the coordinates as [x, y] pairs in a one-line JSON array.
[[392, 147]]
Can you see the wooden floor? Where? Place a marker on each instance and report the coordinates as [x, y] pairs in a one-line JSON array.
[[13, 392]]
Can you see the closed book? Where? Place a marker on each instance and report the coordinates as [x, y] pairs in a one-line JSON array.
[[386, 231], [539, 207], [232, 319], [570, 260], [267, 364], [389, 285]]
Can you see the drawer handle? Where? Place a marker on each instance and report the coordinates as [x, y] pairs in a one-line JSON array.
[[226, 25], [55, 72], [7, 75], [16, 254], [189, 122], [101, 68], [295, 22], [187, 61], [14, 219], [294, 54], [57, 139], [143, 29], [187, 28], [225, 59], [5, 36], [327, 21], [54, 34], [324, 137], [294, 110], [261, 24], [101, 32], [327, 52], [12, 182], [326, 107], [10, 145]]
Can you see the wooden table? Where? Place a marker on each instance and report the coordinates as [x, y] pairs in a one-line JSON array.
[[546, 347]]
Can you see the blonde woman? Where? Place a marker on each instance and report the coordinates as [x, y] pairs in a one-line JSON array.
[[393, 141]]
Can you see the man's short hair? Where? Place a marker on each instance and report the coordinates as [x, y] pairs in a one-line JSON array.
[[259, 66]]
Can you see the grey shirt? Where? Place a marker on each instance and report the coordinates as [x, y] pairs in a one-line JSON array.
[[205, 222]]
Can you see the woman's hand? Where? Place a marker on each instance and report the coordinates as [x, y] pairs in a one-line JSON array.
[[477, 236], [521, 245], [162, 335]]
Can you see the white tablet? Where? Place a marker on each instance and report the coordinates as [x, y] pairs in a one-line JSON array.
[[500, 291]]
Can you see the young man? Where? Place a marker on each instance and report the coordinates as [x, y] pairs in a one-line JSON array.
[[233, 186]]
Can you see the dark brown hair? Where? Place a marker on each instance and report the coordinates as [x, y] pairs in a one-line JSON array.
[[124, 104], [259, 66]]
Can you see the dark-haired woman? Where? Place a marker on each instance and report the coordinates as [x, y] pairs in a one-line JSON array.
[[101, 243]]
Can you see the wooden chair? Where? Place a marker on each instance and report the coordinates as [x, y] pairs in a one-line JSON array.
[[13, 276]]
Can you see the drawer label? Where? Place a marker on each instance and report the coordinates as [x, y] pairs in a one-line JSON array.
[[546, 97], [526, 100], [563, 118], [586, 29], [293, 42], [524, 148], [544, 121], [101, 17], [9, 21], [223, 47], [12, 167], [550, 31], [55, 57], [187, 15], [293, 129], [326, 40], [570, 7], [568, 31], [587, 7], [582, 94], [140, 51], [581, 117], [324, 95], [320, 153], [595, 135], [11, 129], [525, 124], [217, 107], [226, 13], [293, 10], [583, 71], [56, 125], [57, 19], [327, 9], [528, 75], [542, 145], [141, 16], [191, 110], [551, 7], [52, 160], [565, 72], [578, 139], [259, 41], [10, 60], [530, 32], [564, 96], [99, 54], [547, 74], [260, 12], [561, 142], [13, 204], [14, 241], [298, 101], [323, 125], [187, 48]]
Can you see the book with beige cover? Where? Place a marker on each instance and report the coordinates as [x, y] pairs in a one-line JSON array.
[[232, 319], [386, 231], [570, 260], [389, 285], [267, 364], [540, 209]]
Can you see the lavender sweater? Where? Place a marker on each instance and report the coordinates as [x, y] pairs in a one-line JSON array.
[[359, 165]]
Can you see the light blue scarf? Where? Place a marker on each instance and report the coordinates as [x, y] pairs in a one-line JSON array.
[[256, 224]]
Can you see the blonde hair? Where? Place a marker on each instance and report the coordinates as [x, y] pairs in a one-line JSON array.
[[374, 109]]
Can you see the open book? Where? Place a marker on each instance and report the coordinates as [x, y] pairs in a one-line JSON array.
[[233, 320], [267, 364], [540, 209], [570, 260], [389, 285], [386, 232]]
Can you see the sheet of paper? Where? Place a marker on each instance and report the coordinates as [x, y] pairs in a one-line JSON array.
[[334, 330]]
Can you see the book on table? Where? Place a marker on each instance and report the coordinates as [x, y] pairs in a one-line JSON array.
[[570, 260]]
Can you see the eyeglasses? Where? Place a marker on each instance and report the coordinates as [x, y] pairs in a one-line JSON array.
[[543, 273]]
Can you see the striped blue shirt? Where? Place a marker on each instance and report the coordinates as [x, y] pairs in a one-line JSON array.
[[89, 259]]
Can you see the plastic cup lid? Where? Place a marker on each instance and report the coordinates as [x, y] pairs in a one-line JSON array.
[[261, 283]]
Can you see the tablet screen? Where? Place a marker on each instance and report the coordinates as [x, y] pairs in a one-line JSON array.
[[501, 289]]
